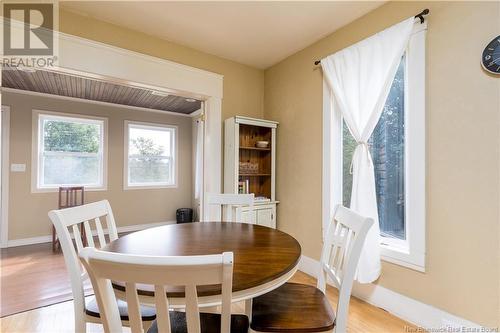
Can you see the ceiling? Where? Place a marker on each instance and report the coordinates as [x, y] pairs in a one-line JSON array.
[[259, 33], [80, 87]]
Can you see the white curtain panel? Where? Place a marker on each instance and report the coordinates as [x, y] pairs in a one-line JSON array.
[[360, 78]]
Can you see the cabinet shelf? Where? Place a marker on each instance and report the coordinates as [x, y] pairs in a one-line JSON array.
[[254, 174], [256, 148]]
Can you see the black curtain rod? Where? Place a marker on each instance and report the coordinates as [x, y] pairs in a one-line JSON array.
[[419, 15]]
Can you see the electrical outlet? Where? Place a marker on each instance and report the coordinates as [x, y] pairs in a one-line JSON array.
[[18, 167]]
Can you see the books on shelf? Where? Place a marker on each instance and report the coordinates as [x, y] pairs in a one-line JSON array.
[[244, 187]]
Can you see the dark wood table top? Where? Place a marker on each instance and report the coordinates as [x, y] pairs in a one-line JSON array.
[[261, 254]]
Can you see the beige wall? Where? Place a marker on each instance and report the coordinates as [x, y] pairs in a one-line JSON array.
[[28, 211], [243, 85], [462, 154]]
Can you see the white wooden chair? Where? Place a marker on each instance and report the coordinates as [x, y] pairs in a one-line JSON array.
[[186, 271], [300, 308], [230, 204], [68, 223]]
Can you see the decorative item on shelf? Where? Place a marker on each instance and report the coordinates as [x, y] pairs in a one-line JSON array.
[[249, 167], [243, 167], [262, 199], [262, 144]]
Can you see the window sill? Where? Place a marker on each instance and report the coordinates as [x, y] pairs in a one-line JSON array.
[[56, 189], [149, 187], [402, 257]]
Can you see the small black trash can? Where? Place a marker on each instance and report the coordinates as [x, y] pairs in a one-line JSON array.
[[184, 215]]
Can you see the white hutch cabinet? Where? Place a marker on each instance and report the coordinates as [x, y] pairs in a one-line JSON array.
[[250, 166]]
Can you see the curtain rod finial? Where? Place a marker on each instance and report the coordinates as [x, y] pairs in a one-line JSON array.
[[421, 14]]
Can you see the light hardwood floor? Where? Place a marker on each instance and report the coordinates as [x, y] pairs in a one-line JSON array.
[[31, 277], [363, 317]]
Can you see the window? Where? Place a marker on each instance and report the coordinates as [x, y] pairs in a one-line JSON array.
[[387, 147], [397, 146], [150, 155], [71, 151]]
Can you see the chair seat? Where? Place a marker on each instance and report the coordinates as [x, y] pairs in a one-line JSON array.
[[293, 307], [209, 323], [147, 313]]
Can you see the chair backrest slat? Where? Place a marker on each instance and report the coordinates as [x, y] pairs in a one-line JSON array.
[[230, 204], [77, 237], [110, 223], [100, 232], [88, 234], [188, 272], [68, 219], [342, 247], [68, 196]]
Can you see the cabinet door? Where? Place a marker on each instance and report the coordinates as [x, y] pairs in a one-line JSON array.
[[248, 217], [266, 217]]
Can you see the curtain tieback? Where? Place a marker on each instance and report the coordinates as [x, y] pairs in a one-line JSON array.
[[367, 146]]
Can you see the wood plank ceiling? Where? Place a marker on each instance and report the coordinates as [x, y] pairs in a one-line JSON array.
[[74, 86]]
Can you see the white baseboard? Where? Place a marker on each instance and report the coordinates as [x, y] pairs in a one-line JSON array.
[[48, 238], [418, 313], [28, 241], [309, 266]]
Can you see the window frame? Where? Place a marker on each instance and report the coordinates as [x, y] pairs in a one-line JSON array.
[[174, 148], [410, 252], [36, 159]]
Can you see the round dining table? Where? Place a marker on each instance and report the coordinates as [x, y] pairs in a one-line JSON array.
[[264, 258]]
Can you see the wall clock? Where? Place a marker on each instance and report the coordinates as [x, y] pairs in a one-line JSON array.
[[491, 56]]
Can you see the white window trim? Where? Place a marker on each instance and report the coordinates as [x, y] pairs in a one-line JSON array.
[[126, 185], [409, 253], [35, 151]]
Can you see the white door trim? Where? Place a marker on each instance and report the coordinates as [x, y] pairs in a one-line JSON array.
[[5, 172], [212, 162]]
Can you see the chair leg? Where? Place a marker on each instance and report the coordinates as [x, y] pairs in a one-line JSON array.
[[54, 239], [248, 309]]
